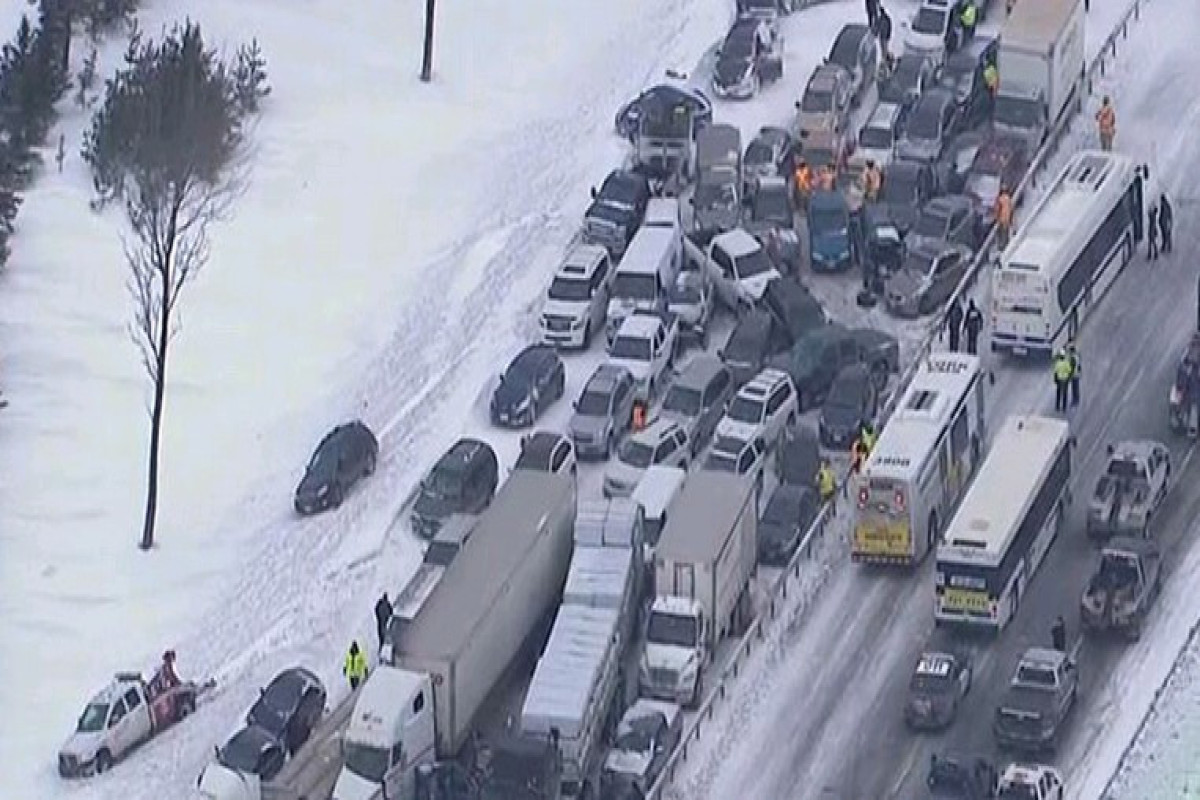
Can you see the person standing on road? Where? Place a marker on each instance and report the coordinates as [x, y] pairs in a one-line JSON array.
[[826, 481], [355, 668], [1152, 233], [1004, 216], [1166, 221], [883, 33], [1058, 635], [872, 12], [1062, 380], [383, 615], [973, 324], [968, 17], [1106, 121], [1076, 372], [954, 321]]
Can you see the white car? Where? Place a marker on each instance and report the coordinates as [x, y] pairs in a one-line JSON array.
[[546, 451], [761, 408], [747, 457], [932, 28], [740, 268], [1032, 782], [645, 345], [662, 442], [577, 300]]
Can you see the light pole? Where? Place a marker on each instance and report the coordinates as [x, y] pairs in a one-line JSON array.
[[427, 57]]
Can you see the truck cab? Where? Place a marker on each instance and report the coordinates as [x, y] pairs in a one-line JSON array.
[[1124, 586], [1039, 697], [676, 650], [391, 732]]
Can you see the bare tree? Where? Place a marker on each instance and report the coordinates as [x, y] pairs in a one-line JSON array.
[[167, 145]]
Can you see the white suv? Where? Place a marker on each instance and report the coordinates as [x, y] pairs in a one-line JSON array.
[[761, 408], [645, 345], [577, 299], [746, 457], [663, 441]]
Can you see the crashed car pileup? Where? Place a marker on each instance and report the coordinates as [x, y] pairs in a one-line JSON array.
[[1131, 489], [1184, 403]]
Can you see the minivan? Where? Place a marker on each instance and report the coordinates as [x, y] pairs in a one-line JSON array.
[[697, 399], [655, 493], [462, 481], [649, 266]]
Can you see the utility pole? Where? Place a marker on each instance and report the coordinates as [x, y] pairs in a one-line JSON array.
[[427, 58]]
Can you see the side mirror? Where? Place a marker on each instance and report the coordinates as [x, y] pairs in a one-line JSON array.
[[1110, 449], [797, 105], [594, 193], [575, 404], [262, 691]]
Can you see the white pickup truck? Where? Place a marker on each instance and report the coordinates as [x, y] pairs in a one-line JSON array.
[[119, 718], [646, 345]]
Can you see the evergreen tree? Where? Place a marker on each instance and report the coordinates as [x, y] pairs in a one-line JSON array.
[[250, 78]]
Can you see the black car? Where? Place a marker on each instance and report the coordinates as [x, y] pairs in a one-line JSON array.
[[852, 402], [883, 242], [533, 381], [914, 73], [962, 75], [787, 517], [798, 456], [347, 454], [930, 127], [961, 778], [1000, 164], [617, 210], [795, 311], [463, 481], [955, 162], [815, 361], [907, 185], [665, 95], [747, 59], [289, 707], [953, 218], [856, 51], [939, 683], [748, 346], [768, 155], [253, 751]]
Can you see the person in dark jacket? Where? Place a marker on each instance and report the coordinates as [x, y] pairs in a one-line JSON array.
[[1166, 221], [1152, 232], [1058, 635], [883, 30], [954, 321], [383, 615], [872, 12], [972, 325]]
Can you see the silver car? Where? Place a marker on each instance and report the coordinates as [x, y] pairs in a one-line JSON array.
[[825, 105], [698, 397], [691, 300], [929, 127], [603, 412]]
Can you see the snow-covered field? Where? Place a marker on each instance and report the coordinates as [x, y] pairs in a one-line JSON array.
[[382, 263]]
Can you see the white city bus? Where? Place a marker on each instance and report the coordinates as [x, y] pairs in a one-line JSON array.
[[1006, 523], [1063, 258], [922, 462]]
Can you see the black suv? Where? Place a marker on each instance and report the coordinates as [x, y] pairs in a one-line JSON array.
[[346, 455], [463, 481], [533, 381], [617, 211], [851, 404]]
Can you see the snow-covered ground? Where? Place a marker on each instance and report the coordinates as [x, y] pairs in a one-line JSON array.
[[383, 263]]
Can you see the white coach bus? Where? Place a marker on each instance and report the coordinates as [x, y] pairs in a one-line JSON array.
[[1006, 523], [922, 462], [1063, 258]]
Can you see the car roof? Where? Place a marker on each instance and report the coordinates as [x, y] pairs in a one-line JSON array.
[[885, 115], [583, 258], [755, 323], [541, 444], [737, 243], [655, 431], [933, 100], [700, 371], [829, 201], [606, 377], [851, 35], [743, 28], [903, 168], [1134, 448], [639, 326], [1042, 657], [763, 383], [853, 373], [461, 454], [826, 76], [531, 356], [793, 493]]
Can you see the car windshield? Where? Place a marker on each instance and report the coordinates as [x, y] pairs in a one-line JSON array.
[[983, 186], [932, 225], [908, 73], [875, 138], [1035, 676], [631, 347], [930, 21], [899, 188], [745, 409], [759, 153], [635, 453], [927, 683], [917, 263], [772, 205], [634, 286], [671, 629], [924, 126], [1124, 468], [369, 763], [440, 554], [239, 756], [685, 293], [1017, 792], [1017, 112], [639, 736], [844, 394], [817, 102], [753, 263], [825, 222], [683, 400], [93, 718], [444, 483], [325, 458], [709, 195], [738, 47], [593, 404], [568, 289]]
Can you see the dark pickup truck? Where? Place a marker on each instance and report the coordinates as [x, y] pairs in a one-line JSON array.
[[1039, 698], [1127, 581]]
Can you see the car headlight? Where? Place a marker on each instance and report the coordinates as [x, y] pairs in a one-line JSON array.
[[324, 490], [523, 405]]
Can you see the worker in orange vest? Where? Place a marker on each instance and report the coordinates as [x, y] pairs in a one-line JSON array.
[[1004, 214], [1106, 120], [804, 183], [639, 414], [872, 181]]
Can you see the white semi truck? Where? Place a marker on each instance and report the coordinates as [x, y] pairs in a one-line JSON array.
[[1041, 65], [494, 596], [703, 566], [571, 696]]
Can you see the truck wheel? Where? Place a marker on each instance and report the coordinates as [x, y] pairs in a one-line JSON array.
[[104, 761]]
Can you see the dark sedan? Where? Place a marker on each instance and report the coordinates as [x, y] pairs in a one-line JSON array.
[[914, 73], [748, 346], [907, 185], [927, 279], [953, 218], [938, 685], [253, 751], [798, 456], [289, 707], [787, 517], [667, 95], [883, 243], [934, 120], [346, 455], [856, 51], [1001, 163], [768, 155], [818, 357], [851, 404], [533, 381]]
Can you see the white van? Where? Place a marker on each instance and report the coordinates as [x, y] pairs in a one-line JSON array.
[[650, 264], [655, 493], [391, 732]]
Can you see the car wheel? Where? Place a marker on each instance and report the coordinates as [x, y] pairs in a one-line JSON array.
[[104, 761]]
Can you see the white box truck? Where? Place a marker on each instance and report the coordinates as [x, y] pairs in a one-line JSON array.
[[703, 566], [446, 662], [570, 698], [1041, 65]]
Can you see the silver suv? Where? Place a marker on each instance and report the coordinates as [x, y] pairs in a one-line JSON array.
[[698, 397], [603, 411]]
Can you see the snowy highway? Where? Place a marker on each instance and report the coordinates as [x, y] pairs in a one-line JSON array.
[[833, 727]]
